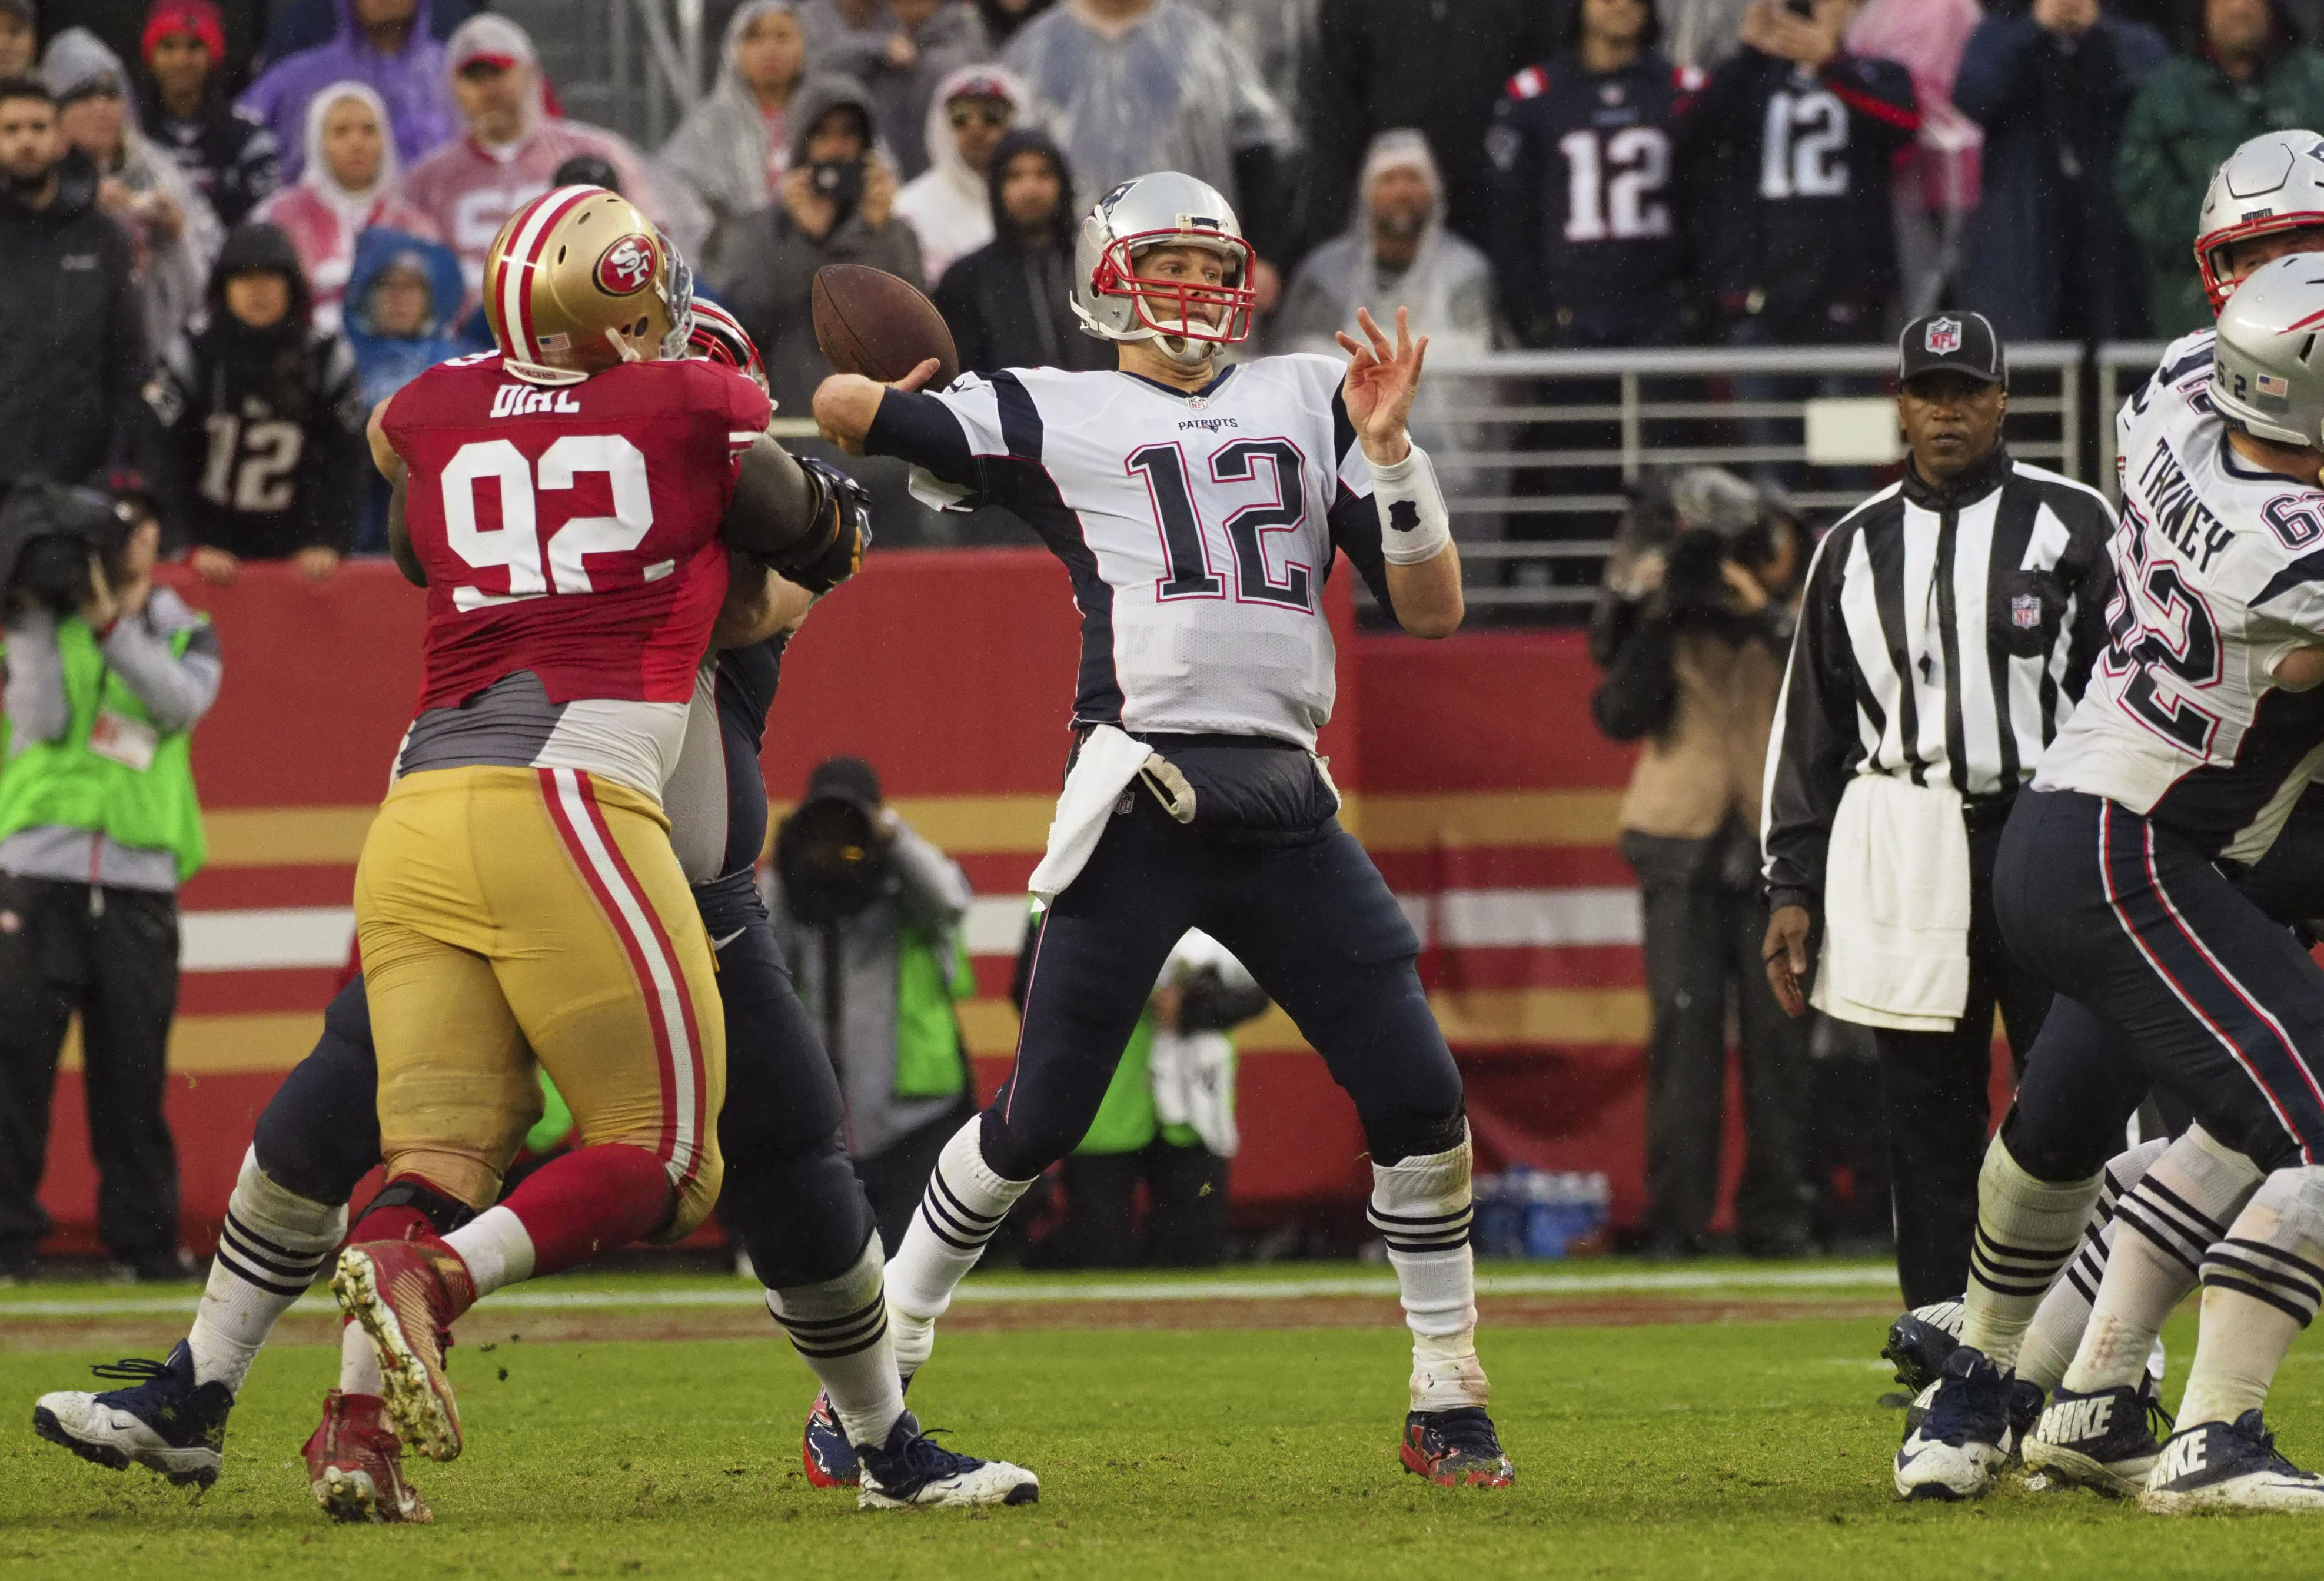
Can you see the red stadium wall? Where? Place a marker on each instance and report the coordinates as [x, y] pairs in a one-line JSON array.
[[1472, 769]]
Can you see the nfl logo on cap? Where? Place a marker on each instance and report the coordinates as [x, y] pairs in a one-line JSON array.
[[1942, 338]]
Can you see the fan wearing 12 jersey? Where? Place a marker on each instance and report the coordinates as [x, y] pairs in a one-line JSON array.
[[1587, 241], [569, 501], [1197, 511]]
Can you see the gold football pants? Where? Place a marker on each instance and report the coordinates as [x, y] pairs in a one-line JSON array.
[[506, 913]]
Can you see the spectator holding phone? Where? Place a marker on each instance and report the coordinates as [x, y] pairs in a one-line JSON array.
[[838, 207]]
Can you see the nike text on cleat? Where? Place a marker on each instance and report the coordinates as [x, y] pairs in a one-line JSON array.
[[2103, 1440], [2219, 1465], [166, 1421], [1961, 1444], [1920, 1341], [824, 1450], [1455, 1449], [913, 1470], [405, 1294], [354, 1465]]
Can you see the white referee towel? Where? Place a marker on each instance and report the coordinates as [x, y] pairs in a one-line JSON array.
[[1896, 907], [1109, 761]]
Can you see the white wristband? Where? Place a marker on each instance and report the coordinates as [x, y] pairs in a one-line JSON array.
[[1414, 523]]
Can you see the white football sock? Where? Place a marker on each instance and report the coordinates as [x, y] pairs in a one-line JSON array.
[[358, 1362], [274, 1245], [2026, 1230], [964, 1204], [2164, 1227], [2261, 1287], [840, 1329], [496, 1248], [2065, 1311], [1421, 1208]]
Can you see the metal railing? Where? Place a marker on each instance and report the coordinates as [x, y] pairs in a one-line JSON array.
[[2117, 358], [1537, 448]]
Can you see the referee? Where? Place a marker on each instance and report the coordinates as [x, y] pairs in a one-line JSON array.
[[1947, 628]]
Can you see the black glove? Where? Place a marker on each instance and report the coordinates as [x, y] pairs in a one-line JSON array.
[[844, 508]]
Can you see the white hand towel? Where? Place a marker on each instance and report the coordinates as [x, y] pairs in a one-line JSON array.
[[1110, 759], [1896, 907]]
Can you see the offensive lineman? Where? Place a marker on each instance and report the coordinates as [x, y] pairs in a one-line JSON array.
[[2094, 1329], [791, 1192], [1197, 510], [2204, 725]]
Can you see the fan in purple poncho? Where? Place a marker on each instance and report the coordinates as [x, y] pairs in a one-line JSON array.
[[385, 44]]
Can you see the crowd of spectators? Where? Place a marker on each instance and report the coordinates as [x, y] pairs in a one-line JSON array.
[[1588, 174]]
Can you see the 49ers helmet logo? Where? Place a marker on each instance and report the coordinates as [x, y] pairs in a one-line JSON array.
[[629, 265]]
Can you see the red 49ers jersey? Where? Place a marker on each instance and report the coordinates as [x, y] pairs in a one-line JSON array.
[[571, 530]]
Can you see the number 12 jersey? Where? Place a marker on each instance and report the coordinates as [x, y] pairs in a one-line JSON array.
[[2219, 573], [1198, 527]]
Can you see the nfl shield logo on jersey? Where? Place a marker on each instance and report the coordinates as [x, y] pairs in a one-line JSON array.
[[1942, 338], [2025, 611]]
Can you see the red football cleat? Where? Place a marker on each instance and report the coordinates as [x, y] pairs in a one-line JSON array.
[[1456, 1449], [355, 1466], [406, 1295]]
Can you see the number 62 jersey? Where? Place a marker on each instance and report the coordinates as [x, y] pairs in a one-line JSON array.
[[1197, 526], [569, 534], [2219, 574]]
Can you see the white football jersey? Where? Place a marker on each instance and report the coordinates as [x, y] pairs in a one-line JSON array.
[[2220, 572], [1198, 527]]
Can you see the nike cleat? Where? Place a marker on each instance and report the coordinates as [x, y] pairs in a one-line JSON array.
[[1963, 1441], [2219, 1465], [166, 1421], [1920, 1341], [354, 1465], [1455, 1449], [2103, 1440], [830, 1459], [913, 1470], [406, 1295]]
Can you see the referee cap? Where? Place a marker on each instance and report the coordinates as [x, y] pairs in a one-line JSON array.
[[1952, 343]]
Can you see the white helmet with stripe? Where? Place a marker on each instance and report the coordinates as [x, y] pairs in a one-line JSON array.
[[1165, 209], [579, 280], [2267, 369], [2273, 183]]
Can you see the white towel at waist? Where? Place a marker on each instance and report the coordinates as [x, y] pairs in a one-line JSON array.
[[1896, 907], [1109, 761]]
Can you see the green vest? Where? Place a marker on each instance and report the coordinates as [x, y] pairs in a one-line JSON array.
[[63, 783], [930, 1062]]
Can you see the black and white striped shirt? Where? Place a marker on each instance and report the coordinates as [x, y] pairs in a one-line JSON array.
[[1944, 634]]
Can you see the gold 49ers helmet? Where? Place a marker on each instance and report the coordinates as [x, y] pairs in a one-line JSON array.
[[578, 281]]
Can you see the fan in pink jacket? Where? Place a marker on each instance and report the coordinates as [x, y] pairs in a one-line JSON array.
[[512, 148], [344, 188]]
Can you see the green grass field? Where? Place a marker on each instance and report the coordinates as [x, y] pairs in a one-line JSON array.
[[1722, 1449]]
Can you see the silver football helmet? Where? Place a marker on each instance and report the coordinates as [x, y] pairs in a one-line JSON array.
[[2267, 368], [2274, 182], [1184, 318]]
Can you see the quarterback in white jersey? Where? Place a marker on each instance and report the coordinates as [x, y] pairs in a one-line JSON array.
[[1197, 510]]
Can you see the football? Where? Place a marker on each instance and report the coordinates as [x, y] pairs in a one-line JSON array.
[[868, 321]]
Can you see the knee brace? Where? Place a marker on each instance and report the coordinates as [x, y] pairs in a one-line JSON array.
[[2276, 1252], [410, 1193]]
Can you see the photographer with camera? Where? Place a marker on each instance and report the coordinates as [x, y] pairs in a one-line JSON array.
[[837, 205], [1691, 629], [107, 675], [1948, 625], [870, 915]]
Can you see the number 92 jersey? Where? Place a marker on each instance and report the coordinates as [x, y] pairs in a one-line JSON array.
[[2219, 573], [1198, 527], [572, 529]]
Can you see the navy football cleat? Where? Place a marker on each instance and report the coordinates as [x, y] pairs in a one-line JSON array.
[[830, 1459], [165, 1420], [2219, 1465], [1961, 1444], [912, 1471], [1920, 1341], [2103, 1439], [1455, 1449]]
